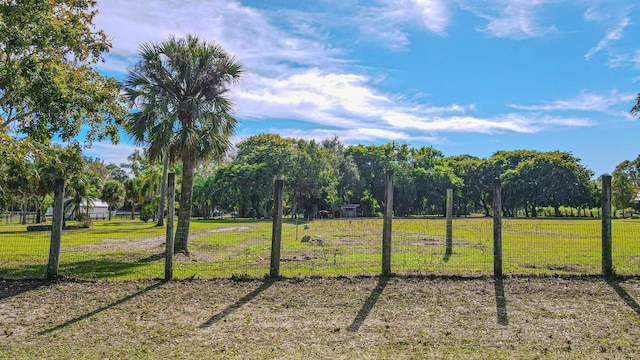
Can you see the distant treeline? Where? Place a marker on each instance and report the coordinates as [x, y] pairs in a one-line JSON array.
[[322, 176]]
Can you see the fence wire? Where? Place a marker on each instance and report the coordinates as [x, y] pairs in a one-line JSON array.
[[132, 249]]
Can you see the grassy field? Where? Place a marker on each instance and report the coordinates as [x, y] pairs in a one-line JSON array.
[[322, 318], [131, 249]]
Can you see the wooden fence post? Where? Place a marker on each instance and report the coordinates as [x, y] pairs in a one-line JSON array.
[[449, 215], [169, 242], [497, 229], [387, 224], [607, 261], [56, 230], [276, 233]]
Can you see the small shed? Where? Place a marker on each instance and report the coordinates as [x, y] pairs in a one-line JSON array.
[[349, 210]]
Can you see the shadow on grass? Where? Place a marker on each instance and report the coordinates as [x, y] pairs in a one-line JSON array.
[[501, 302], [24, 272], [238, 304], [99, 310], [94, 269], [11, 288], [369, 304], [624, 295]]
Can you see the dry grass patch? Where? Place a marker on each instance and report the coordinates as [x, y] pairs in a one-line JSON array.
[[340, 318]]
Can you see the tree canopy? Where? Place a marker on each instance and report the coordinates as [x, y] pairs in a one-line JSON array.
[[48, 83]]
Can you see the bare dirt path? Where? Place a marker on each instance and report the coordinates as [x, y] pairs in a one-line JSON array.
[[150, 242]]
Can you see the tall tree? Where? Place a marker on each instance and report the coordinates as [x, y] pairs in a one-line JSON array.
[[189, 80]]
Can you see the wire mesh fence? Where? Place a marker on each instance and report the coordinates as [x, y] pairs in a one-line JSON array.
[[626, 246], [419, 246], [551, 246], [132, 249], [332, 247]]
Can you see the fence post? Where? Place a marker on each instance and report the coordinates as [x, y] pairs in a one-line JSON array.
[[56, 230], [169, 242], [449, 215], [276, 233], [387, 223], [607, 261], [497, 229]]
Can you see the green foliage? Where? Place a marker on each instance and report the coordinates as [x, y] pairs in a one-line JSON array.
[[48, 83], [113, 194], [146, 212], [625, 183], [180, 88]]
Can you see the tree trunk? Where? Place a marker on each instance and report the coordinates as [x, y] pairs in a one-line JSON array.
[[163, 190], [184, 213], [38, 212], [133, 210], [57, 224], [109, 213], [23, 221]]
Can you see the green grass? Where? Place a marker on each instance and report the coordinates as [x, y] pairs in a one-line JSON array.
[[131, 249]]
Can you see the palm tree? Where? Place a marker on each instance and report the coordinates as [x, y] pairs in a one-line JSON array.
[[113, 194], [180, 88]]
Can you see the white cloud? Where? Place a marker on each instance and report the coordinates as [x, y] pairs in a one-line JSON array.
[[613, 35], [338, 100], [357, 136], [387, 23], [296, 75], [582, 102], [510, 18], [110, 153], [243, 31]]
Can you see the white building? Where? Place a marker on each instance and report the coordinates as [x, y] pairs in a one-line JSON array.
[[99, 210]]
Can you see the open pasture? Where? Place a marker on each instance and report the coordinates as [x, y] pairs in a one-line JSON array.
[[130, 249]]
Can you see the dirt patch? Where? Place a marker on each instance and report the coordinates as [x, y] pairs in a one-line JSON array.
[[350, 242], [150, 243], [566, 268], [194, 255], [433, 242]]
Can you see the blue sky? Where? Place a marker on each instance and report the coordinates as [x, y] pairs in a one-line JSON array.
[[464, 76]]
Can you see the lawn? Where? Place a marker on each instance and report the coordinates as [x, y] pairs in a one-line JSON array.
[[323, 318], [131, 249]]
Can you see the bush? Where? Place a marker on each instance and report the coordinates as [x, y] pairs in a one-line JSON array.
[[147, 212], [85, 221]]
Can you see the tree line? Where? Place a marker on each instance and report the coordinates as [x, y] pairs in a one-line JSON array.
[[322, 176]]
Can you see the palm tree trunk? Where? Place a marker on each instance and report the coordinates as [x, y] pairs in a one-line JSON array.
[[163, 190], [184, 213]]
